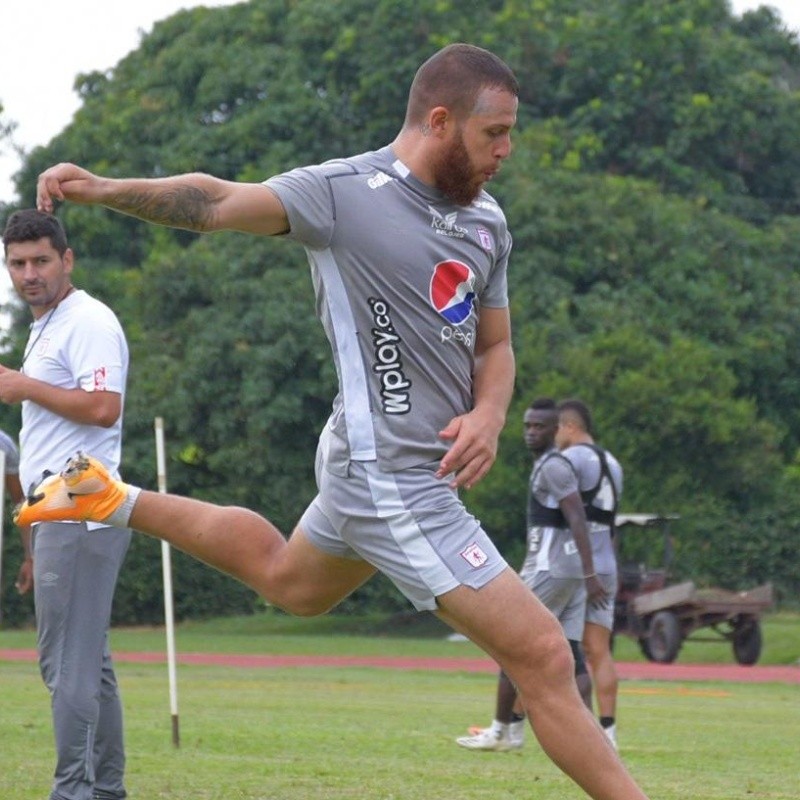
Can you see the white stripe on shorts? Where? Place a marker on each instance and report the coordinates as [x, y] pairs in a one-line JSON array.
[[405, 531]]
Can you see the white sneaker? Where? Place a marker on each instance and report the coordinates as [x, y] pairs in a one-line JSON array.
[[611, 735], [516, 733], [498, 739]]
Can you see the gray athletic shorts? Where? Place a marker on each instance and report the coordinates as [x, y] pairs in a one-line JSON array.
[[410, 525], [604, 616], [565, 598]]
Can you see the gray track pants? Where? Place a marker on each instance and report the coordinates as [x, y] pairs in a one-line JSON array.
[[75, 573]]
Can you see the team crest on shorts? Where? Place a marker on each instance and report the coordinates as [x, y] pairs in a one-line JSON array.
[[474, 556]]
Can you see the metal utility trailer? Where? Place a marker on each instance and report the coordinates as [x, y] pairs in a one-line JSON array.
[[661, 617]]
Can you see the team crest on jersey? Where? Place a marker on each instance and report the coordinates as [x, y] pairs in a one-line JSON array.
[[100, 383], [474, 556], [485, 238]]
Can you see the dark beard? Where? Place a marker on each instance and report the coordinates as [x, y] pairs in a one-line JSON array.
[[454, 176]]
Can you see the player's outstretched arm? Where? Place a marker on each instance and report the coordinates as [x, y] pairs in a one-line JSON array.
[[196, 202]]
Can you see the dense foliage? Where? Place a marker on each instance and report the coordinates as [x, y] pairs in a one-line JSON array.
[[654, 197]]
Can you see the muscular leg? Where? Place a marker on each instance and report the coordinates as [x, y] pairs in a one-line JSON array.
[[293, 575], [512, 626], [597, 646]]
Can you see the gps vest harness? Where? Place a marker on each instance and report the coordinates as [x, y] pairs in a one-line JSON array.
[[543, 516]]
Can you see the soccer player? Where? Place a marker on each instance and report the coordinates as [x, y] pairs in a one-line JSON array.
[[601, 480], [408, 254], [558, 567]]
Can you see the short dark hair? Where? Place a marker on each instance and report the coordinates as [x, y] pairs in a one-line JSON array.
[[30, 225], [580, 410], [454, 77], [543, 404]]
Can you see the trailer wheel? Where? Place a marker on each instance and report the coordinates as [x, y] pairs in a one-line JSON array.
[[747, 641], [664, 637]]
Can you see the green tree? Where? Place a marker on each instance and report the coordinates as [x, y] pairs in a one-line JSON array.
[[653, 198]]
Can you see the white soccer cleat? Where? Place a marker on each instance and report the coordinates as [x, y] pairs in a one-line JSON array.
[[499, 740]]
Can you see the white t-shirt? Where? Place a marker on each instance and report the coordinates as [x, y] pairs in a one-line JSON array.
[[80, 344]]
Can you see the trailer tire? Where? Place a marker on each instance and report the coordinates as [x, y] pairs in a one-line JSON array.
[[664, 637], [747, 641]]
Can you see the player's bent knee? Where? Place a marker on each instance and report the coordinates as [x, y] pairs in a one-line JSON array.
[[556, 663], [560, 663], [548, 662]]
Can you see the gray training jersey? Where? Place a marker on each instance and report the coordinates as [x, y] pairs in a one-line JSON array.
[[400, 275], [552, 548], [588, 468]]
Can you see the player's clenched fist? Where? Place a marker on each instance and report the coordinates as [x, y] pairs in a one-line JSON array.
[[65, 182]]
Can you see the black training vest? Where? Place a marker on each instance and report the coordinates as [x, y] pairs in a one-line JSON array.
[[539, 515], [543, 516], [593, 512]]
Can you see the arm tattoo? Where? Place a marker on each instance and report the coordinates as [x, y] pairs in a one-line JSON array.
[[178, 207]]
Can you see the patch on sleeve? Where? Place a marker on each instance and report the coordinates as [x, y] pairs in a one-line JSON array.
[[474, 556], [100, 379]]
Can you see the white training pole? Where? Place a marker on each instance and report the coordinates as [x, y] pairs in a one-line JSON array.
[[2, 519], [166, 567]]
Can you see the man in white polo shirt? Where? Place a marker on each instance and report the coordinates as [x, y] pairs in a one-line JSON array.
[[71, 385]]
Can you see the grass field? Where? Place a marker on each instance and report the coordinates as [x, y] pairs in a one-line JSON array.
[[402, 635], [341, 734]]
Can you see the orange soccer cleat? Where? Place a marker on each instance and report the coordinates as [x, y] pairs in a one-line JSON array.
[[82, 491]]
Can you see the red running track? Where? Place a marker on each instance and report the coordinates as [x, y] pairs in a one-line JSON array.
[[644, 671]]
